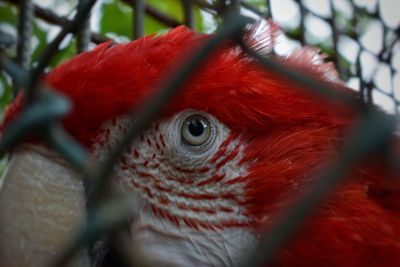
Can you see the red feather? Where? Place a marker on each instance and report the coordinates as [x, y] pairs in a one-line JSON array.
[[290, 131]]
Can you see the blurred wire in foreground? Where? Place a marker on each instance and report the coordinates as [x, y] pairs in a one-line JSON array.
[[108, 213]]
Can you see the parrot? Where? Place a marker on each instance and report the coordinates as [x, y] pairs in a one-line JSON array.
[[231, 151]]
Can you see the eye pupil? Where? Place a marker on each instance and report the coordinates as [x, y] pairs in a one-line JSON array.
[[196, 127], [195, 130]]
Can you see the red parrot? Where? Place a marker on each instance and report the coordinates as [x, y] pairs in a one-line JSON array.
[[233, 149]]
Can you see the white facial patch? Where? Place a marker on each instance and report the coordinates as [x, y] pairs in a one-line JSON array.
[[193, 195]]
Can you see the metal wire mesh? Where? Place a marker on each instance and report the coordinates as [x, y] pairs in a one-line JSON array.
[[105, 216]]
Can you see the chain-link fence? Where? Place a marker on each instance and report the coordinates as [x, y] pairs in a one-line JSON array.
[[371, 69]]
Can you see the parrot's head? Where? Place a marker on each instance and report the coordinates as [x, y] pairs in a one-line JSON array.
[[234, 146]]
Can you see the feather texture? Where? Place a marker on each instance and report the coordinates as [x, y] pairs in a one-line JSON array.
[[290, 135]]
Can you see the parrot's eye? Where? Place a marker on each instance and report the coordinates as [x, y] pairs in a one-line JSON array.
[[196, 130], [195, 133]]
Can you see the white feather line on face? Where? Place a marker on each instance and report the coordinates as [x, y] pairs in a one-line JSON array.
[[159, 238]]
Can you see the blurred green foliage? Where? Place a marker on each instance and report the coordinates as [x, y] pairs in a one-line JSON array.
[[8, 23], [123, 26]]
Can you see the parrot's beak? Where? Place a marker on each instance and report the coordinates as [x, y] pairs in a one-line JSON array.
[[42, 203]]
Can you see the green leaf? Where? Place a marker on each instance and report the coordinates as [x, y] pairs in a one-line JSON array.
[[152, 25], [8, 13], [294, 33], [116, 18], [40, 38], [8, 24], [63, 54], [174, 9], [6, 92], [261, 5]]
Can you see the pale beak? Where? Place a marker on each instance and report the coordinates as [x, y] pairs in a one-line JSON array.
[[42, 204]]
